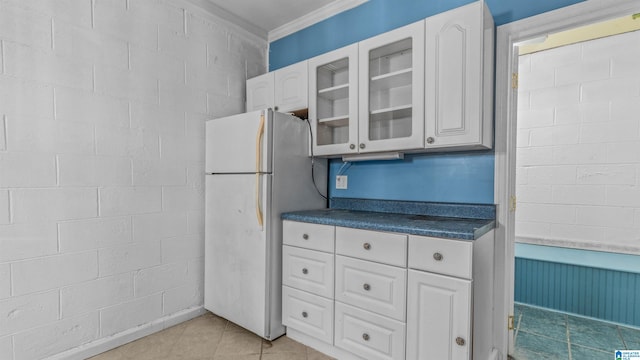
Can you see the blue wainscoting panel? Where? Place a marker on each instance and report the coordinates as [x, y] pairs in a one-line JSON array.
[[453, 178], [606, 294]]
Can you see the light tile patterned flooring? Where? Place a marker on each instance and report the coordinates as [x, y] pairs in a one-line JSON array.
[[209, 337], [546, 334], [540, 334]]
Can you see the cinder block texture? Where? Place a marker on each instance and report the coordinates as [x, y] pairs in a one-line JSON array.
[[578, 157], [102, 112]]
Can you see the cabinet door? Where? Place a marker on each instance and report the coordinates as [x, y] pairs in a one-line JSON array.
[[438, 317], [260, 92], [391, 87], [333, 102], [291, 87], [454, 69]]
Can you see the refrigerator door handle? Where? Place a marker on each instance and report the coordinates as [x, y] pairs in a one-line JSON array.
[[259, 136]]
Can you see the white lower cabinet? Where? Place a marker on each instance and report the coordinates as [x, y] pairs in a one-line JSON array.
[[442, 300], [308, 270], [308, 313], [372, 286], [430, 298], [368, 335]]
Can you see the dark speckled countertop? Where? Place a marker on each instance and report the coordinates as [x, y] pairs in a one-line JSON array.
[[428, 219]]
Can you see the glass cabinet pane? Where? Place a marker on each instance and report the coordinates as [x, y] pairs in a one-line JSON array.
[[390, 90], [332, 101]]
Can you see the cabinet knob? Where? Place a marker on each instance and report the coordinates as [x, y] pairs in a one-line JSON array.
[[275, 108], [305, 271], [352, 146], [367, 287], [460, 341], [365, 337], [362, 145], [366, 246], [305, 236], [430, 140], [304, 314], [437, 257]]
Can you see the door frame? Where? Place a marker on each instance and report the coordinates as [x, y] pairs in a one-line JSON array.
[[508, 36]]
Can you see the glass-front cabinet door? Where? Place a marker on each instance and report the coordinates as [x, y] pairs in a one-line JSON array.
[[391, 90], [333, 107]]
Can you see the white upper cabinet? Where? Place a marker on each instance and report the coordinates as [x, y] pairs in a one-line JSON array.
[[391, 90], [260, 92], [425, 86], [333, 102], [291, 88], [459, 79], [283, 90]]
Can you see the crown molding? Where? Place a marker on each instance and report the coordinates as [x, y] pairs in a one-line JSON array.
[[222, 14], [313, 17]]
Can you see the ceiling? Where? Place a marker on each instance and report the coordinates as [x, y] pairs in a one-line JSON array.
[[269, 15]]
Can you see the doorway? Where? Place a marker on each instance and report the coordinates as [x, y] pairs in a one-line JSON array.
[[506, 132]]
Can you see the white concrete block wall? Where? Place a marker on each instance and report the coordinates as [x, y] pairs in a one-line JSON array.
[[102, 111], [578, 160]]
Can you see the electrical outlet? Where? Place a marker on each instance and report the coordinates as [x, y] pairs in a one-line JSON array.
[[341, 182]]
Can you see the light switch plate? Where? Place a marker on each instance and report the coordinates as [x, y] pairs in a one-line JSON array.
[[341, 182]]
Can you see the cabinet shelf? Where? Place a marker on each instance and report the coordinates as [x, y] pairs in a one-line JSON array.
[[335, 121], [391, 80], [396, 112], [334, 92]]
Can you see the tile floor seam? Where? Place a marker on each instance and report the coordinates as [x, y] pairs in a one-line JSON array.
[[624, 342], [566, 324], [170, 351]]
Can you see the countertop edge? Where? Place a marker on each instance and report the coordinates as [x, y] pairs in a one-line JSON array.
[[399, 228]]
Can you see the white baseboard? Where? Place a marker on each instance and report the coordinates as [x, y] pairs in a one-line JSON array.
[[111, 342]]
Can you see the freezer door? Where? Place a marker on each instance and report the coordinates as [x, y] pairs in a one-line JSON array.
[[236, 251], [234, 143]]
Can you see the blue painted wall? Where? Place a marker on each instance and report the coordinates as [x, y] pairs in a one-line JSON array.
[[462, 178], [454, 177]]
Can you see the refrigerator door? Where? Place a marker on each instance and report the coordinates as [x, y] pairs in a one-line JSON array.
[[236, 249], [239, 143]]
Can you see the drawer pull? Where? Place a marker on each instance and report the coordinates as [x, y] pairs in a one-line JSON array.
[[366, 246], [305, 236], [460, 341], [305, 271], [304, 314], [367, 287], [437, 257], [365, 337]]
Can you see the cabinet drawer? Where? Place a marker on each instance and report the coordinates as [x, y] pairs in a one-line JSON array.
[[307, 313], [372, 245], [372, 286], [309, 236], [369, 335], [449, 257], [308, 270]]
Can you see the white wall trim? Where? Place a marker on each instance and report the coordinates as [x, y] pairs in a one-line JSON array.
[[104, 344], [505, 125], [313, 17], [220, 14]]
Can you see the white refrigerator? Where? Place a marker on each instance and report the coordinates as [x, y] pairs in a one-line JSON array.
[[257, 167]]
